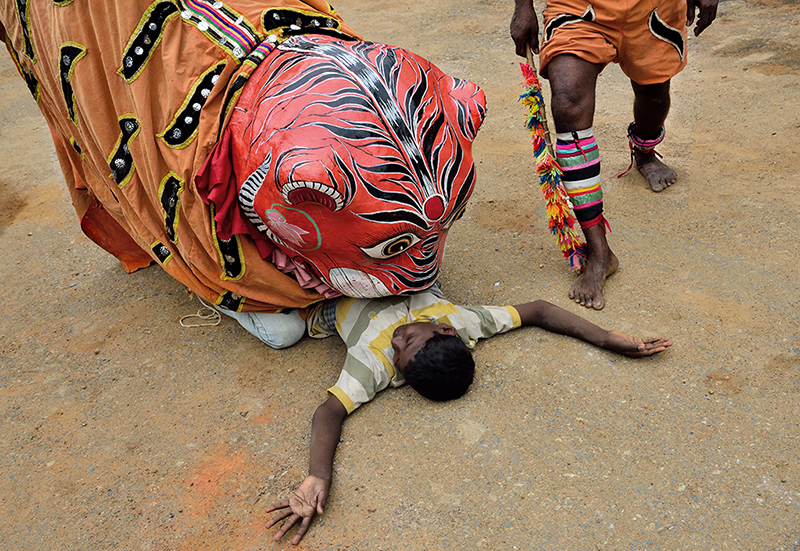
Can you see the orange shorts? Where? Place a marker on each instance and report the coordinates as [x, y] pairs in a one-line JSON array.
[[646, 38]]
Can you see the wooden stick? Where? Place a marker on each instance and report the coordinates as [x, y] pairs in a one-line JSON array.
[[543, 111]]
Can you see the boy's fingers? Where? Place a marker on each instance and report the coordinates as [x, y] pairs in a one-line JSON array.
[[322, 501], [276, 506], [658, 340], [277, 518], [301, 531], [656, 350], [286, 525], [650, 347]]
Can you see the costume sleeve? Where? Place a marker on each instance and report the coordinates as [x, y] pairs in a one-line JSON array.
[[487, 321], [364, 374]]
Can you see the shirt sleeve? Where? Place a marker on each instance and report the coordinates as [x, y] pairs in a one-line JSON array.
[[483, 322], [363, 376]]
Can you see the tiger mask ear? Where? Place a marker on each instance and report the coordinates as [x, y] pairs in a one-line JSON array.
[[468, 106]]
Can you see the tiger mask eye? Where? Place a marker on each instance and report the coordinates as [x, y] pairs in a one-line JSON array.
[[391, 247]]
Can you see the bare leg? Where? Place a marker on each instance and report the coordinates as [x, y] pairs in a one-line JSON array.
[[650, 107], [572, 82]]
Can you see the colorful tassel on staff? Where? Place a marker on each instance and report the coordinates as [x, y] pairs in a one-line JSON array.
[[561, 221]]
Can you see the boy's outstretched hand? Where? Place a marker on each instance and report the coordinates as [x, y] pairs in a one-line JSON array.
[[308, 500], [634, 347], [311, 496]]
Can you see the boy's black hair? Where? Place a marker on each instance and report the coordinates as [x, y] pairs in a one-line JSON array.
[[441, 370]]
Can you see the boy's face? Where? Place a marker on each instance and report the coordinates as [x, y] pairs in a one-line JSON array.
[[409, 339]]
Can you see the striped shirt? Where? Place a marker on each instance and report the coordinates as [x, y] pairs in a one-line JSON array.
[[367, 325]]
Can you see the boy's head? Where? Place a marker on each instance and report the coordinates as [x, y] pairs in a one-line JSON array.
[[433, 360]]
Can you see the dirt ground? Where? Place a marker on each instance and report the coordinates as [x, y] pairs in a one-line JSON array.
[[123, 430]]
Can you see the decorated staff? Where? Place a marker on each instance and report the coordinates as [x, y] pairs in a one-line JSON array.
[[561, 221]]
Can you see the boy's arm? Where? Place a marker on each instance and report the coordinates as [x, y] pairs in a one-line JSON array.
[[310, 497], [540, 313]]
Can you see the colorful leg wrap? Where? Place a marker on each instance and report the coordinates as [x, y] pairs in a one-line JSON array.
[[579, 159], [638, 143]]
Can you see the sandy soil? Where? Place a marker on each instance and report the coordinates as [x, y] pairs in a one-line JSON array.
[[123, 430]]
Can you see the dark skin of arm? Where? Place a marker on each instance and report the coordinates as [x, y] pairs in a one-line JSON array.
[[525, 23], [310, 497], [540, 313]]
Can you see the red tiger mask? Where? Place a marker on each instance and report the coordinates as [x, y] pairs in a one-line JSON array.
[[355, 160]]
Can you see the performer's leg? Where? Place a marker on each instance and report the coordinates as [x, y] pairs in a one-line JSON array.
[[650, 107], [572, 82], [276, 330]]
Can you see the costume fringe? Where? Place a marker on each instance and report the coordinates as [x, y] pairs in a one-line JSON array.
[[561, 220]]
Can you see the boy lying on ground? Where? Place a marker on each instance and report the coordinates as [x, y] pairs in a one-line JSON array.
[[423, 340]]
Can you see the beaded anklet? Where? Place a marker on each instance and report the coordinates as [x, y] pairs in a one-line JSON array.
[[637, 143]]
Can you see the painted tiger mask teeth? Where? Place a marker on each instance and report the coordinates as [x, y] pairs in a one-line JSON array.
[[296, 193]]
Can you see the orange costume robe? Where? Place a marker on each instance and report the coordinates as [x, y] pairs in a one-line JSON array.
[[136, 95]]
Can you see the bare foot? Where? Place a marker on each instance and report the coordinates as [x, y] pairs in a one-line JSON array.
[[657, 174], [588, 288], [635, 347]]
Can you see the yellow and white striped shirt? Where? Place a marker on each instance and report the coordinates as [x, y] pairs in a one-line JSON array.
[[367, 325]]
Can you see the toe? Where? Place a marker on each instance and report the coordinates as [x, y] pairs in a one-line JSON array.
[[660, 184]]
